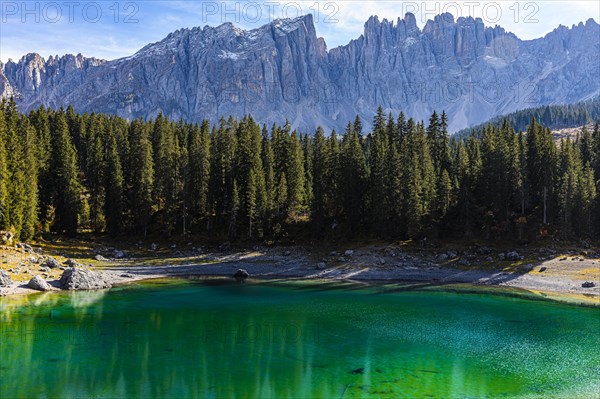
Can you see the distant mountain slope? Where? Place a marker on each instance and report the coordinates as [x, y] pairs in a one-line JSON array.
[[555, 117], [571, 132], [283, 70]]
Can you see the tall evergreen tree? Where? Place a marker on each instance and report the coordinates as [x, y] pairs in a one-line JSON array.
[[141, 186], [28, 138], [541, 158], [113, 185], [94, 172], [379, 163], [354, 181], [199, 172], [3, 170], [319, 183], [294, 173], [65, 176], [268, 163]]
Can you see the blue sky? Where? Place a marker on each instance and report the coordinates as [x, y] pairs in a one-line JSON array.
[[113, 29]]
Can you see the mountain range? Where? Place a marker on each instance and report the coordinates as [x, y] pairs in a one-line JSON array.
[[283, 70]]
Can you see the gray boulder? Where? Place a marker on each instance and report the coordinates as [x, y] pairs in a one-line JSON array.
[[118, 254], [5, 279], [82, 279], [513, 256], [527, 268], [241, 275], [52, 263], [442, 257], [39, 284], [72, 263], [588, 284], [100, 258]]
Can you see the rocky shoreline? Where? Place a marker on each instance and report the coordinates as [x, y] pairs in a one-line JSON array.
[[553, 273]]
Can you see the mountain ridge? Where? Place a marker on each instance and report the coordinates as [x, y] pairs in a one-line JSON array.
[[282, 69]]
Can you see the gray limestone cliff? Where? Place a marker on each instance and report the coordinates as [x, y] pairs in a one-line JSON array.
[[283, 70]]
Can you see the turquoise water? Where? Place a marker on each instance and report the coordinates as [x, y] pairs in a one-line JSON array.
[[215, 339]]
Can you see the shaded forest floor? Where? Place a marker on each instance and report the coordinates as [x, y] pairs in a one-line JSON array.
[[541, 269]]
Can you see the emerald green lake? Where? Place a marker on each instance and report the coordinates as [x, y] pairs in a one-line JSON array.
[[218, 339]]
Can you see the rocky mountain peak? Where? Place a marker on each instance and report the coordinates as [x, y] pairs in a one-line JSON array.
[[410, 23], [303, 22], [440, 22], [283, 70]]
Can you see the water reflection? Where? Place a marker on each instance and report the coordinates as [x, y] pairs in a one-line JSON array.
[[231, 341]]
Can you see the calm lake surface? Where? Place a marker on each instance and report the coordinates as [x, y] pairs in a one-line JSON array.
[[216, 339]]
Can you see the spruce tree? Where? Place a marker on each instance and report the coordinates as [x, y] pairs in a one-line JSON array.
[[567, 186], [65, 176], [3, 170], [250, 175], [333, 195], [307, 150], [221, 188], [16, 167], [353, 181], [199, 172], [319, 183], [141, 186], [94, 172], [268, 163], [294, 173], [541, 167], [378, 167], [30, 201], [113, 185], [41, 122]]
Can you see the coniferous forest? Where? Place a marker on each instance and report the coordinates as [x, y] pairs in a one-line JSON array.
[[553, 116], [68, 173]]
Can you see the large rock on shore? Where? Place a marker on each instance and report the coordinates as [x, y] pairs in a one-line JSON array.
[[83, 279], [38, 283], [5, 279], [241, 275], [72, 263], [52, 263]]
